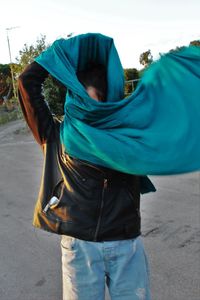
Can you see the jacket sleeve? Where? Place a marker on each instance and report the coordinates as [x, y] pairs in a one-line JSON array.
[[34, 107]]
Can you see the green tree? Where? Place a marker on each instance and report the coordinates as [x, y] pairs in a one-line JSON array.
[[146, 58], [54, 91], [177, 48], [195, 43], [28, 53], [131, 76], [6, 89]]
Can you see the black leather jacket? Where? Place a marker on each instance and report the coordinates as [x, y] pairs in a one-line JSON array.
[[77, 198]]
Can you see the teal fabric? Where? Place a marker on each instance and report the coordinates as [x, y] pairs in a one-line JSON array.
[[154, 131]]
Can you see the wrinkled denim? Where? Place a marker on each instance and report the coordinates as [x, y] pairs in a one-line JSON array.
[[88, 266]]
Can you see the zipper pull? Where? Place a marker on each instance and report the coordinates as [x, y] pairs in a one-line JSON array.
[[53, 202]]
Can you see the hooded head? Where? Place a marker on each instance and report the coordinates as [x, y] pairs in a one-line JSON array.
[[94, 80], [67, 59]]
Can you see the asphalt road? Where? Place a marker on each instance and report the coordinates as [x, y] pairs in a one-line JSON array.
[[30, 260]]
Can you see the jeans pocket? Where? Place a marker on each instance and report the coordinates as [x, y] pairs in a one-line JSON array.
[[68, 243]]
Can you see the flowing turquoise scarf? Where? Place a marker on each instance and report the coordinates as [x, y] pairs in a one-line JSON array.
[[154, 131]]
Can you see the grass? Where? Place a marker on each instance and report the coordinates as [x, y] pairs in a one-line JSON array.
[[7, 115]]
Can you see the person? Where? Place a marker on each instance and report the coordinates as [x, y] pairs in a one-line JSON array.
[[96, 210]]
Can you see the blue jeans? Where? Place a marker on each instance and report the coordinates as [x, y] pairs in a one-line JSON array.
[[88, 266]]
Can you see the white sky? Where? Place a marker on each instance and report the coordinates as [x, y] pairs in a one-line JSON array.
[[135, 25]]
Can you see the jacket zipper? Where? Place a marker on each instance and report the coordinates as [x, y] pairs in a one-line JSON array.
[[105, 184]]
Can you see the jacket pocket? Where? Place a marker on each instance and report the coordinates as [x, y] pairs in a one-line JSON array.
[[55, 209], [56, 196]]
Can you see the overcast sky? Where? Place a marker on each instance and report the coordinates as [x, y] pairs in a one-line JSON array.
[[135, 25]]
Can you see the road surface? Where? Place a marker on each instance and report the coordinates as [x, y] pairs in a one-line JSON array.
[[30, 262]]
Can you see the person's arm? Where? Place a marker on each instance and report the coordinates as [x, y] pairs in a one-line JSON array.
[[35, 109]]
